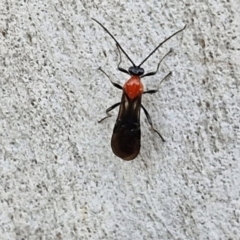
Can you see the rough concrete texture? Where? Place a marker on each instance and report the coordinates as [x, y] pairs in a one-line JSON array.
[[59, 177]]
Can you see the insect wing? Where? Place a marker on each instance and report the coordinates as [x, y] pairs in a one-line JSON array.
[[126, 138]]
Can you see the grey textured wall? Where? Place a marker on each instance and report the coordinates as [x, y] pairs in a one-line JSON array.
[[59, 177]]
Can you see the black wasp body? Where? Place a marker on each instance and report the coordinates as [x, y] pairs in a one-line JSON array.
[[126, 138]]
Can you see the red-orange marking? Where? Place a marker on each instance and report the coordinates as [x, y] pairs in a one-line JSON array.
[[133, 87]]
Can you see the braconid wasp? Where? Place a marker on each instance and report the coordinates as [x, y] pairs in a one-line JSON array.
[[126, 136]]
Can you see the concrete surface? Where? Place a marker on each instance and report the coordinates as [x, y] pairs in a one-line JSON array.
[[59, 177]]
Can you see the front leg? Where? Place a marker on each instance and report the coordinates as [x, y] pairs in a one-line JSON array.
[[113, 83], [120, 61], [154, 72], [151, 91]]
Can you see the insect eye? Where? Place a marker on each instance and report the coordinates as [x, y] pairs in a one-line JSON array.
[[136, 71]]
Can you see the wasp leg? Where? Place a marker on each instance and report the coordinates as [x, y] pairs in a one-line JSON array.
[[113, 83], [108, 110], [120, 61], [150, 122], [154, 72], [151, 91]]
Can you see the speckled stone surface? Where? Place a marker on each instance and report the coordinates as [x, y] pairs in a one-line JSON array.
[[59, 177]]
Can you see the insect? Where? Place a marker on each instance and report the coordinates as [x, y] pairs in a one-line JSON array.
[[126, 138]]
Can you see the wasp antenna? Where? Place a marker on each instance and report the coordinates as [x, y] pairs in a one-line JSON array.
[[160, 44], [154, 72], [118, 44]]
